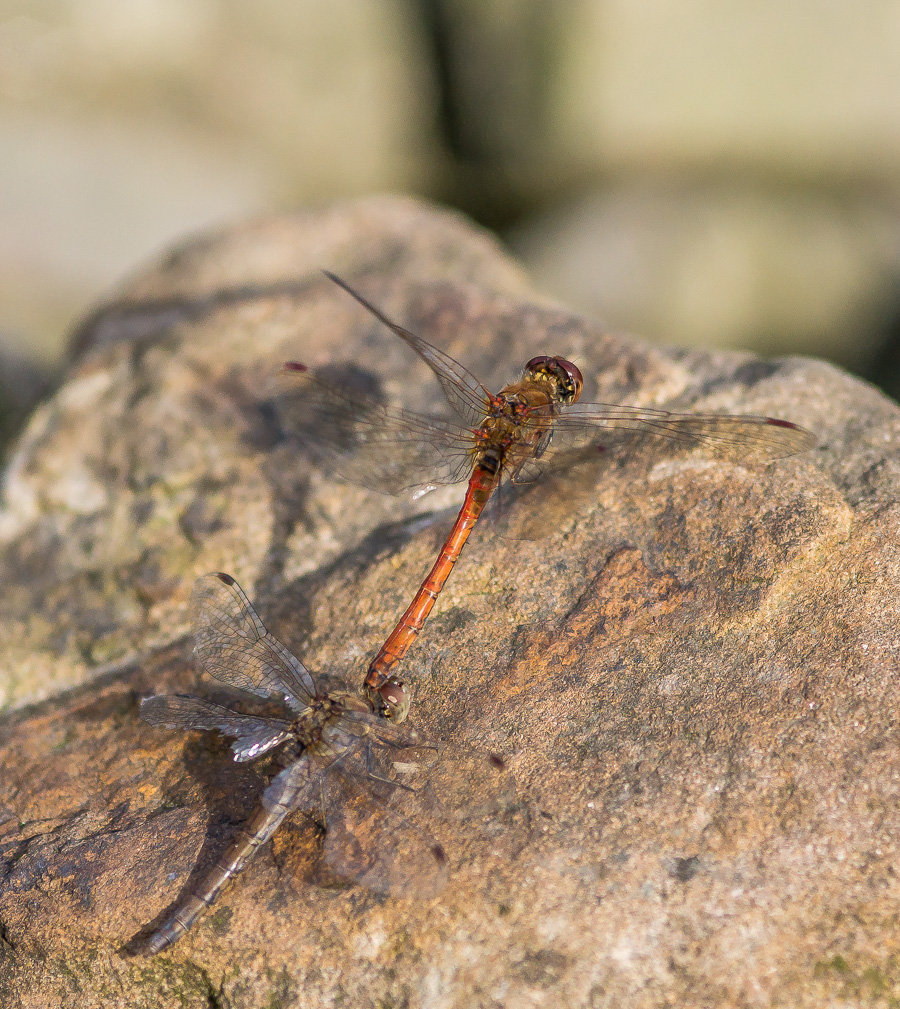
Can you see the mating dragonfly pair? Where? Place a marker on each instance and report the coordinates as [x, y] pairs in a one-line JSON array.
[[348, 755]]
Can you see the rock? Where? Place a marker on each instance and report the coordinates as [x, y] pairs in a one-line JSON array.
[[107, 522], [691, 677]]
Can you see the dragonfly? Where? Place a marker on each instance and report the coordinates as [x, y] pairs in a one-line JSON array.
[[533, 426], [337, 756]]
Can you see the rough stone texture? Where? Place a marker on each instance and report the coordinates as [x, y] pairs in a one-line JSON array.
[[692, 676]]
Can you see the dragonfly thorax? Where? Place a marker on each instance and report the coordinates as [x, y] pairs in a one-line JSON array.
[[323, 722], [520, 417]]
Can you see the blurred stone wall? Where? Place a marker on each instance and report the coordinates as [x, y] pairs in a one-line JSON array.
[[127, 125], [741, 172], [699, 173]]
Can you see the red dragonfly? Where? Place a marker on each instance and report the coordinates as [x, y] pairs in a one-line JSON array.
[[337, 756], [532, 426]]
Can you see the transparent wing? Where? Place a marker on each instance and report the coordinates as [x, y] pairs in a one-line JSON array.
[[295, 787], [368, 842], [598, 430], [465, 394], [386, 809], [233, 645], [381, 447], [252, 736]]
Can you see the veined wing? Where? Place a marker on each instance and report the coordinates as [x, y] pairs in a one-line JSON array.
[[595, 430], [384, 448], [465, 394], [287, 791], [385, 809], [252, 736], [368, 842], [233, 645]]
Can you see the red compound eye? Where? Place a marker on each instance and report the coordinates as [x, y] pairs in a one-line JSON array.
[[575, 376], [538, 363], [567, 375]]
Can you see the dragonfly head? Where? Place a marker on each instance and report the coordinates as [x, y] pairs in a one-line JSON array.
[[565, 376], [394, 701]]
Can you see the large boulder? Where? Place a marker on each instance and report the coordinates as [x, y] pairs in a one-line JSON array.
[[690, 676]]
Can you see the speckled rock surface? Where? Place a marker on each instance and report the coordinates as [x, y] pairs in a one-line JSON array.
[[693, 676]]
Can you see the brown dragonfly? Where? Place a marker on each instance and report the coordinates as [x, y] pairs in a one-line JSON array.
[[533, 426], [338, 757]]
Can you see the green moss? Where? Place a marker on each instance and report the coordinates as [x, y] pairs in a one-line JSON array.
[[220, 921], [837, 963], [164, 979], [284, 993], [67, 739], [874, 983]]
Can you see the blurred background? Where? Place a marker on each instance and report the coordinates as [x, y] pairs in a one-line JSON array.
[[703, 173]]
